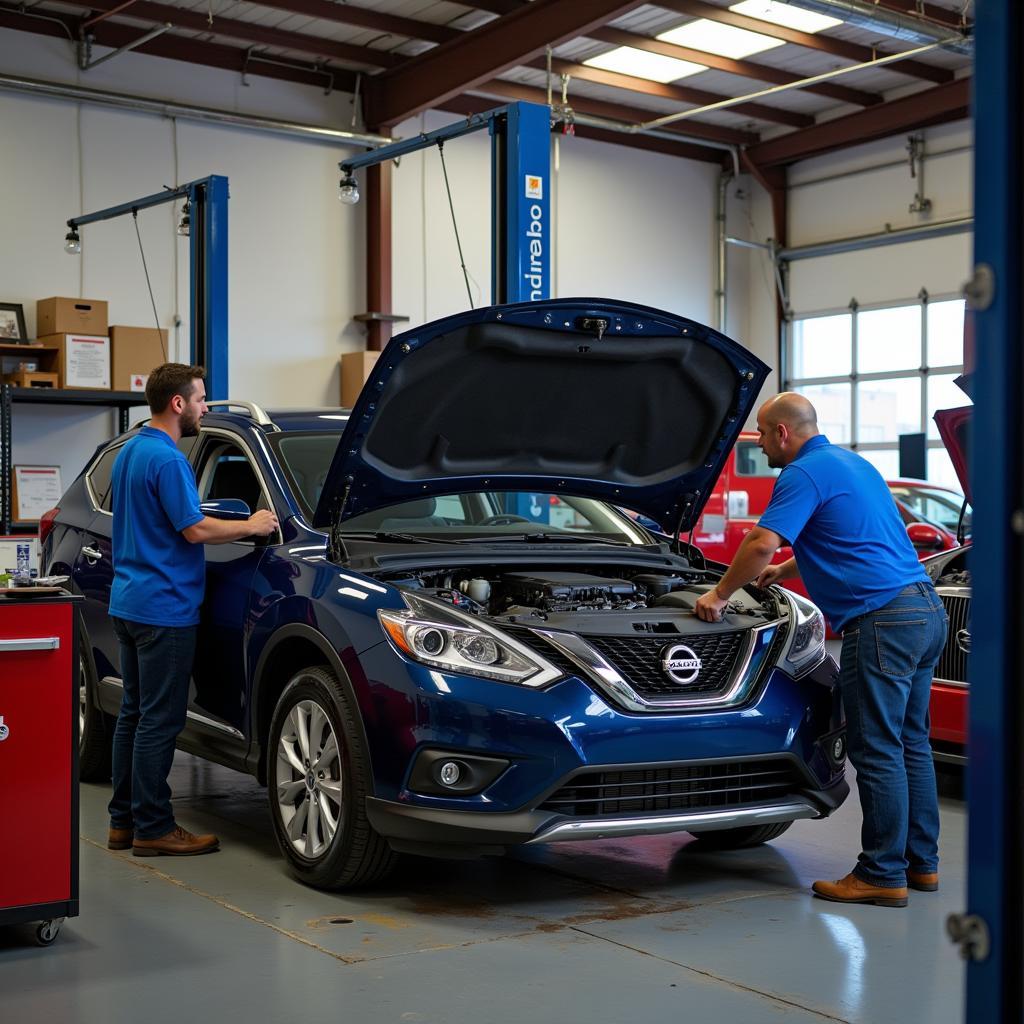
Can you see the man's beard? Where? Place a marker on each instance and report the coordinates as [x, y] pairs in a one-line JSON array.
[[190, 426], [773, 462]]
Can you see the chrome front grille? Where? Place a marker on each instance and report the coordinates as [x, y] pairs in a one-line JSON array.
[[952, 664], [684, 787]]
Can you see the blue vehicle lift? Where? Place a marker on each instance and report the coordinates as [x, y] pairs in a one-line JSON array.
[[208, 268], [520, 193], [991, 932]]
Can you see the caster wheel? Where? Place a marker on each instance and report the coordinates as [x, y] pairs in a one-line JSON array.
[[47, 931]]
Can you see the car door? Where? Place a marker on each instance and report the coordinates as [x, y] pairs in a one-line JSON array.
[[226, 468]]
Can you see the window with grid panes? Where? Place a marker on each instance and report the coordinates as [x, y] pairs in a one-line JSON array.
[[874, 373]]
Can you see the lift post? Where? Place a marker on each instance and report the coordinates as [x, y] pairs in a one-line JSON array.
[[520, 192], [208, 269]]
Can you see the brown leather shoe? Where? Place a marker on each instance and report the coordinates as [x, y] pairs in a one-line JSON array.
[[852, 890], [119, 838], [177, 843], [923, 881]]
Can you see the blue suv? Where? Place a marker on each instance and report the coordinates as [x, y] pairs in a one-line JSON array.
[[458, 641]]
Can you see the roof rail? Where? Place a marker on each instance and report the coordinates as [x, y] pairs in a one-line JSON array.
[[254, 411]]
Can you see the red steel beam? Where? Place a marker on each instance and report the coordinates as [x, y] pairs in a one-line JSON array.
[[191, 51], [685, 94], [467, 104], [940, 105], [743, 68], [810, 40], [940, 15], [249, 32], [618, 112], [455, 66]]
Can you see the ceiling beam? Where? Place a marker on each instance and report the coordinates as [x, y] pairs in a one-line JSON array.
[[179, 17], [940, 105], [743, 68], [618, 112], [929, 11], [810, 40], [476, 56], [362, 17], [685, 94], [190, 51], [466, 104]]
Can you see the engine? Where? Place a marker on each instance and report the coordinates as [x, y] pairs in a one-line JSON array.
[[623, 601]]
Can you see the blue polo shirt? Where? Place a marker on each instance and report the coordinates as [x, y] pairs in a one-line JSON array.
[[158, 575], [850, 543]]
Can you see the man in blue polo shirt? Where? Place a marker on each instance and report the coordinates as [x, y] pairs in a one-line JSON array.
[[852, 551], [159, 576]]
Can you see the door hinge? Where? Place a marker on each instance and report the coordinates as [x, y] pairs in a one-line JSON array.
[[970, 933]]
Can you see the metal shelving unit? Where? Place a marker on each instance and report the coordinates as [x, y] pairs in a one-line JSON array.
[[122, 401]]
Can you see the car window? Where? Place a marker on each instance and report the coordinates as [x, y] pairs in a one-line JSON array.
[[751, 461], [226, 472], [940, 509], [99, 477]]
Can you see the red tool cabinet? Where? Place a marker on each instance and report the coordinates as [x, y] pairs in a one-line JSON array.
[[38, 761]]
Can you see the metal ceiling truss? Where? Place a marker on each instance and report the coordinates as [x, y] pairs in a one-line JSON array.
[[467, 61]]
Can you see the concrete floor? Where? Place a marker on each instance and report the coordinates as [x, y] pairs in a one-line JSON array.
[[630, 930]]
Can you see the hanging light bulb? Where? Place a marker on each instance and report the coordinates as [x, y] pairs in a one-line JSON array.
[[348, 190], [72, 243], [185, 221]]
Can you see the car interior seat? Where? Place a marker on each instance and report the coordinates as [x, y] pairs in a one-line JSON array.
[[411, 515], [235, 478]]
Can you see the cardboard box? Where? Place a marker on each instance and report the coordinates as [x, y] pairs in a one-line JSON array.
[[134, 353], [32, 379], [70, 316], [356, 368], [83, 360]]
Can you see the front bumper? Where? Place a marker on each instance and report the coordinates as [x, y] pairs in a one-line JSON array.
[[425, 830]]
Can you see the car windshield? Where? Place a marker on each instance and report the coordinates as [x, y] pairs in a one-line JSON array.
[[935, 506], [495, 515]]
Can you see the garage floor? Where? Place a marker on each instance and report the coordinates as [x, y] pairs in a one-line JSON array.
[[629, 930]]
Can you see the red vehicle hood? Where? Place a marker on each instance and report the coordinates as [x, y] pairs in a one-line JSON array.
[[954, 429]]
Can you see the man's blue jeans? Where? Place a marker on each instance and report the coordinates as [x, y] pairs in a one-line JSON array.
[[886, 676], [156, 665]]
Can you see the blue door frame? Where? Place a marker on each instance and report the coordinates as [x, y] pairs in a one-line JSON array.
[[208, 269], [995, 784]]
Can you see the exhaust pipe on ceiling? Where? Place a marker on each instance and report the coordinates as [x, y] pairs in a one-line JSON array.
[[873, 17]]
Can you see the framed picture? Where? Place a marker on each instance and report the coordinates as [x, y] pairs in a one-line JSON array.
[[12, 323]]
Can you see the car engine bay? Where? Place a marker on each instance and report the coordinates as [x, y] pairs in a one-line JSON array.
[[613, 600]]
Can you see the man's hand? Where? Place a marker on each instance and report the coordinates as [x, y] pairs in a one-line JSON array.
[[773, 574], [262, 523], [710, 607]]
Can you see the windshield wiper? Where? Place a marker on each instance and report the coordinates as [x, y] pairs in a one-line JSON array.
[[406, 538], [574, 538]]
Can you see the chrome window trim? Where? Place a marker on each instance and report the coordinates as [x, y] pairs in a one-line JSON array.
[[96, 506], [608, 679]]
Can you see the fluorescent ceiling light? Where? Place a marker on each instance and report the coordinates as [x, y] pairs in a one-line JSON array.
[[785, 14], [714, 37], [629, 61]]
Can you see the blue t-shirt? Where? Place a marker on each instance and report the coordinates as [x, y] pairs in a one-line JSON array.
[[850, 543], [158, 575]]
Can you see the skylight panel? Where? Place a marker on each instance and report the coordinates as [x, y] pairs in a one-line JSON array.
[[724, 40], [628, 60], [787, 15]]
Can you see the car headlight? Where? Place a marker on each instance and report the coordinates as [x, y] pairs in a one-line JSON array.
[[444, 638], [806, 646]]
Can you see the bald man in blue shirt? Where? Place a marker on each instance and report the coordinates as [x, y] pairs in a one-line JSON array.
[[852, 551]]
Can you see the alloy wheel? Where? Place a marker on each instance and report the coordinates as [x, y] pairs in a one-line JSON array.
[[308, 779]]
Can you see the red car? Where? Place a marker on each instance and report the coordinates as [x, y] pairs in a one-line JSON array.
[[745, 487]]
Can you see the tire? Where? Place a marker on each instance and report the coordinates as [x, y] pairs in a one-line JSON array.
[[95, 729], [741, 838], [341, 850]]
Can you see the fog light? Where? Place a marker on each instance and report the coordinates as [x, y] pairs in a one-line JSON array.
[[450, 773], [839, 749]]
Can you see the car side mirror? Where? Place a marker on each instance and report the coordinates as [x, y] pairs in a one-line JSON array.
[[225, 508], [926, 537]]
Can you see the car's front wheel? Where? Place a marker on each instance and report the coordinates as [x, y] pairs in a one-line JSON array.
[[318, 778], [741, 838]]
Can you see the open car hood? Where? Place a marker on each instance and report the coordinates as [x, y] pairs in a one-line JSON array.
[[954, 429], [587, 397]]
